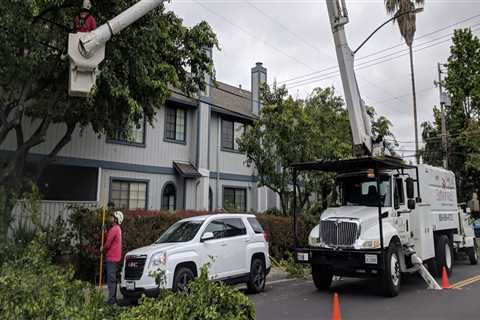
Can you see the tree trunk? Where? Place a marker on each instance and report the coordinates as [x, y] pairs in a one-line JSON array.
[[417, 155]]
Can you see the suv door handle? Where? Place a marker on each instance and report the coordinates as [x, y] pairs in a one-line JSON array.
[[223, 244]]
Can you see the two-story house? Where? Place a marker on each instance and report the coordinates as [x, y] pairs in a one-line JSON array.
[[188, 160]]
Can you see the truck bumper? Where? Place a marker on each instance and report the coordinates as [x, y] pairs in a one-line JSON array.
[[354, 263]]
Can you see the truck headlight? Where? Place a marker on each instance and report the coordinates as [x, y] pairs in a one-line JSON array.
[[370, 244], [158, 259], [314, 237]]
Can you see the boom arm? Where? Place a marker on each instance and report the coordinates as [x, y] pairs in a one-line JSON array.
[[359, 121], [87, 50]]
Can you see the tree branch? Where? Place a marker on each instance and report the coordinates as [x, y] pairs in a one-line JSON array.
[[50, 157]]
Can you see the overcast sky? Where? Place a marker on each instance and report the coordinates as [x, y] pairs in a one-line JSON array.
[[293, 40]]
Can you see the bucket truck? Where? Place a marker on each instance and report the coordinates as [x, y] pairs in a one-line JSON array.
[[87, 50], [389, 218]]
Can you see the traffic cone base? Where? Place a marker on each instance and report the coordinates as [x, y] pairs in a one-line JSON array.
[[445, 282], [336, 315]]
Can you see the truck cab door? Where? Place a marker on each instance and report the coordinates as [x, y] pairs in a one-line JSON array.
[[401, 217]]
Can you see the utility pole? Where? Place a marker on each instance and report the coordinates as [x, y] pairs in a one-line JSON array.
[[443, 103]]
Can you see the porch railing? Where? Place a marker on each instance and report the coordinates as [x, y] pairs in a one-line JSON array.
[[48, 211]]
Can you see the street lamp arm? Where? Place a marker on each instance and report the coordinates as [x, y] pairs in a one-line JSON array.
[[383, 24]]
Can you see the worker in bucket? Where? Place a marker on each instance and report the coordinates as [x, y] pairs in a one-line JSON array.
[[113, 254], [85, 22]]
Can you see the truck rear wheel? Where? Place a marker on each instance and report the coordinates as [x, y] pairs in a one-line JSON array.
[[443, 255], [322, 276], [472, 254], [391, 276]]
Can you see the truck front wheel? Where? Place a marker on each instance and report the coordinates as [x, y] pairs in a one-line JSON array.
[[391, 276], [322, 276]]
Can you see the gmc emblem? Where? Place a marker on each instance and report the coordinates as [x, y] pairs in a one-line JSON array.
[[132, 264]]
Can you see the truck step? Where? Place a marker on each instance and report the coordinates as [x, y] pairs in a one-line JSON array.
[[429, 280]]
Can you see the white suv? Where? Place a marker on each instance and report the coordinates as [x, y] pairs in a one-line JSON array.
[[236, 243]]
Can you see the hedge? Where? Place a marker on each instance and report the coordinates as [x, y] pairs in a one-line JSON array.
[[141, 228]]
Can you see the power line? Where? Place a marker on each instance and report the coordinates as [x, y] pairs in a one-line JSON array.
[[394, 55], [383, 50], [294, 34], [362, 66]]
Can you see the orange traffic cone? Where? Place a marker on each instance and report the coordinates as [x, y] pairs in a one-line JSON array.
[[445, 282], [336, 315]]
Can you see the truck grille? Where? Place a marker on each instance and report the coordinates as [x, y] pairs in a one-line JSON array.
[[338, 232], [134, 267]]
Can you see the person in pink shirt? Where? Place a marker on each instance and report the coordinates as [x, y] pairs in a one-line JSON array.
[[113, 254]]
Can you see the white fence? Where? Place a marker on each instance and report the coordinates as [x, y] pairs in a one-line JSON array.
[[48, 212]]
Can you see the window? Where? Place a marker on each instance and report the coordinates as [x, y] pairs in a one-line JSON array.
[[169, 197], [235, 199], [362, 191], [129, 194], [217, 227], [133, 133], [256, 226], [231, 132], [175, 124], [399, 197], [234, 227]]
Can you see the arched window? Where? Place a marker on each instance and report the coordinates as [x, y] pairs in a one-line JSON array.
[[169, 197]]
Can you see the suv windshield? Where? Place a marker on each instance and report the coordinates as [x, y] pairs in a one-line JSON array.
[[181, 231], [362, 191]]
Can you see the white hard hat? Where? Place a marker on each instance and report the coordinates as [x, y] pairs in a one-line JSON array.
[[119, 216], [87, 5]]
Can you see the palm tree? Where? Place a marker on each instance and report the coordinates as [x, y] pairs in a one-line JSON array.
[[407, 25]]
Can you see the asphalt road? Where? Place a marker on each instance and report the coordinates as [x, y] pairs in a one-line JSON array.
[[360, 299]]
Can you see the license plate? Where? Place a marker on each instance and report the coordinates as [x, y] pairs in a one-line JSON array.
[[130, 285], [302, 256], [371, 259]]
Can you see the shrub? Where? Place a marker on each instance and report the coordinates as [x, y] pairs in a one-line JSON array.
[[204, 300], [280, 233], [141, 228], [33, 288]]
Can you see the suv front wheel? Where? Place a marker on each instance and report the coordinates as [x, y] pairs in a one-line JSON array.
[[256, 281], [182, 278]]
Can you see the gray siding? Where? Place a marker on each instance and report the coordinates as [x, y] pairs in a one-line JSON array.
[[86, 144], [228, 162]]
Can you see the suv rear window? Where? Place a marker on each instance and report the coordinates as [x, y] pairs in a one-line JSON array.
[[256, 226]]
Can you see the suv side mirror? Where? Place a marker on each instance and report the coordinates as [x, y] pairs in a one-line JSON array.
[[207, 236], [411, 204], [410, 188]]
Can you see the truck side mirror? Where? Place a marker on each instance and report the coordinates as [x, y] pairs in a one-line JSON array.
[[410, 188], [411, 204]]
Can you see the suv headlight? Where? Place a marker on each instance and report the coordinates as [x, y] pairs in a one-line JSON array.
[[159, 258], [370, 244]]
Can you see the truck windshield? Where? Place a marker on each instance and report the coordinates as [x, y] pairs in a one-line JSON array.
[[362, 191], [181, 231]]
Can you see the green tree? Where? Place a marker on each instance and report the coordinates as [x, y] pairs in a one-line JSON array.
[[462, 116], [407, 24], [142, 64], [290, 131]]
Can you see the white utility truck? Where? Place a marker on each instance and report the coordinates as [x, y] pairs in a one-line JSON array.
[[389, 218]]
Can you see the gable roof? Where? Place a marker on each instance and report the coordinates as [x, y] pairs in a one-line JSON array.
[[231, 99], [224, 99]]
